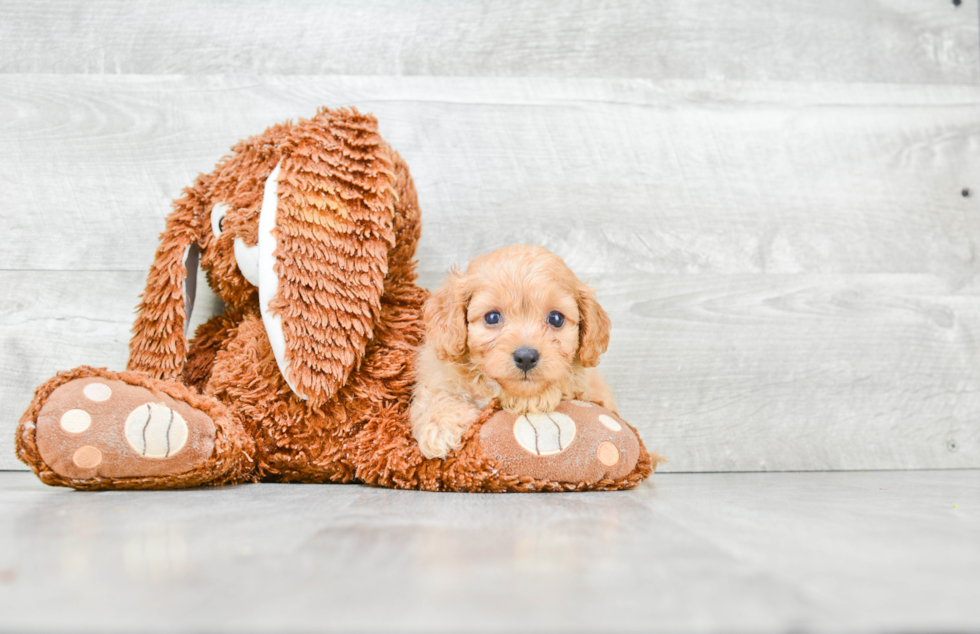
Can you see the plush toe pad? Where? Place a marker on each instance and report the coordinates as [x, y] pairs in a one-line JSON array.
[[578, 442], [95, 427]]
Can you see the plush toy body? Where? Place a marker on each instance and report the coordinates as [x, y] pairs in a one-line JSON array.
[[307, 233]]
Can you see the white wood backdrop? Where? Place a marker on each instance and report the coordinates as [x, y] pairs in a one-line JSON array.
[[768, 196]]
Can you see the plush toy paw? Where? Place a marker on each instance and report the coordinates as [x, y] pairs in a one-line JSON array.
[[578, 443], [97, 428]]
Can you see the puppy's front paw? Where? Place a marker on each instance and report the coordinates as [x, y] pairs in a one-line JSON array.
[[436, 441], [439, 422]]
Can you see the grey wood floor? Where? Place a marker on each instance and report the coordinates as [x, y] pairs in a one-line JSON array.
[[774, 552]]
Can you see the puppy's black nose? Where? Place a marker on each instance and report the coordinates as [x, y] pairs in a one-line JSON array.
[[526, 358]]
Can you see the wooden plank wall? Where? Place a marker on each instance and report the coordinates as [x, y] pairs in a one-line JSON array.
[[778, 202]]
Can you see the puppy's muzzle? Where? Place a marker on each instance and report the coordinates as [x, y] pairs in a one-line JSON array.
[[526, 358]]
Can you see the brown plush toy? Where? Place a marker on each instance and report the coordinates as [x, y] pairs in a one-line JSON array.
[[307, 232]]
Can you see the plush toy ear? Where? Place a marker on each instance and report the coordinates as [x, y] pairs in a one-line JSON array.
[[445, 318], [593, 328], [159, 343], [325, 230]]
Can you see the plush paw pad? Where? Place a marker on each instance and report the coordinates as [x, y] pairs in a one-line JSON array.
[[95, 427], [156, 431], [578, 442], [544, 434]]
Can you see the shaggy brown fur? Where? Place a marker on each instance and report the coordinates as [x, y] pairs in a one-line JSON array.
[[347, 226]]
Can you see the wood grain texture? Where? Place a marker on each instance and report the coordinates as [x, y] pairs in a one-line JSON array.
[[678, 177], [791, 372], [694, 553], [900, 41], [790, 267]]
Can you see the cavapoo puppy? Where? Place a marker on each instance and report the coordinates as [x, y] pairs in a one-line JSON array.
[[518, 327]]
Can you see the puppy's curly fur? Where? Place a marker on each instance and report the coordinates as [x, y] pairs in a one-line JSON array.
[[477, 325]]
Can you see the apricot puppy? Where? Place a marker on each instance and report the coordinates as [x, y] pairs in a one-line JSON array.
[[519, 327]]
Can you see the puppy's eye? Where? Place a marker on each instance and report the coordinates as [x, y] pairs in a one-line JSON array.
[[492, 318], [556, 319]]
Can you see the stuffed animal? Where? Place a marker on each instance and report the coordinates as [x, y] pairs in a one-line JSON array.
[[307, 233]]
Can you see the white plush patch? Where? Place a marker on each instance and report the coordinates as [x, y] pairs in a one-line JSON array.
[[247, 259], [97, 392], [544, 434], [610, 422], [582, 403], [156, 431], [268, 281], [75, 421]]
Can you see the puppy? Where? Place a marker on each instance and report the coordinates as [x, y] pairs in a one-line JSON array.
[[518, 327]]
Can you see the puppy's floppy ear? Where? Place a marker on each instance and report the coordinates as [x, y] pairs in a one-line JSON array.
[[593, 328], [445, 317], [159, 343]]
